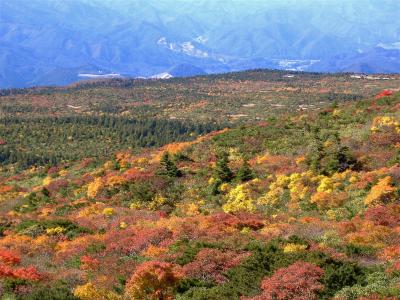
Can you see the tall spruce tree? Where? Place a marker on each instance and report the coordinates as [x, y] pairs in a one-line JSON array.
[[169, 168], [245, 173], [222, 171]]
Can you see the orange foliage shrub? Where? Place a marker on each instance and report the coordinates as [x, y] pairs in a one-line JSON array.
[[115, 180], [136, 174], [5, 189], [299, 281], [238, 221], [26, 245], [391, 253], [153, 281], [366, 233], [382, 192], [278, 164], [325, 200], [67, 249]]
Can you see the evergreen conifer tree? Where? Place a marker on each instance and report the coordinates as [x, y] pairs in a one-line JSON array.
[[245, 173], [169, 168], [222, 171]]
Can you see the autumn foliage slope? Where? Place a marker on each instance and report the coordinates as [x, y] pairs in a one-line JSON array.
[[299, 206]]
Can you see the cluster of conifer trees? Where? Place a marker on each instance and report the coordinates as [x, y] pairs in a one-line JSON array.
[[50, 140]]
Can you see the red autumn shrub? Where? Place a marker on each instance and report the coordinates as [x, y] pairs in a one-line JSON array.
[[6, 189], [9, 258], [238, 221], [384, 93], [211, 263], [386, 215], [298, 281], [252, 221], [136, 175], [56, 185], [89, 263], [133, 242], [53, 170], [28, 273]]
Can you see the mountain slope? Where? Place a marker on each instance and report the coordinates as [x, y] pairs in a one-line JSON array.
[[146, 38], [303, 205], [376, 60]]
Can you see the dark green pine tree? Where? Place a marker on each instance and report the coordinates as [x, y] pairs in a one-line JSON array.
[[169, 168], [245, 173], [316, 153], [222, 171]]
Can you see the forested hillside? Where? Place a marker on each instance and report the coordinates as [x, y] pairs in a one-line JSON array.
[[47, 126], [297, 198]]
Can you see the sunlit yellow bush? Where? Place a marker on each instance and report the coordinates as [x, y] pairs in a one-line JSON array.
[[291, 247], [239, 199]]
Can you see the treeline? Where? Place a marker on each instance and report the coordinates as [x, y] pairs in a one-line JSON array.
[[51, 140]]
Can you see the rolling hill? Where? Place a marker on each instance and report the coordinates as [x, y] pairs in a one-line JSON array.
[[251, 185]]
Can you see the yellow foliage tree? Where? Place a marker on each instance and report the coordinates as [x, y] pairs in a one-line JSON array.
[[326, 185], [298, 190], [108, 211], [291, 247], [47, 180], [382, 122], [239, 199], [89, 291], [94, 187]]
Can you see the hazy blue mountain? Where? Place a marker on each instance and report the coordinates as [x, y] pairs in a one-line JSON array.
[[376, 60], [184, 70], [53, 41]]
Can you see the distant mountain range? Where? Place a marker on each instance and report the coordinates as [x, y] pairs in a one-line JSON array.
[[375, 60], [45, 42]]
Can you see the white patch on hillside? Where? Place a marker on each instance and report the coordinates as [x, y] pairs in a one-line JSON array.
[[392, 46], [88, 75], [201, 39], [163, 75], [296, 64], [370, 77], [186, 48]]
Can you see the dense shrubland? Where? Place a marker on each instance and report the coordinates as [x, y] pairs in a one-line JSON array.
[[298, 206]]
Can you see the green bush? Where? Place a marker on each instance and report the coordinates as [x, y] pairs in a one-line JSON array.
[[35, 228], [55, 291], [245, 279]]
